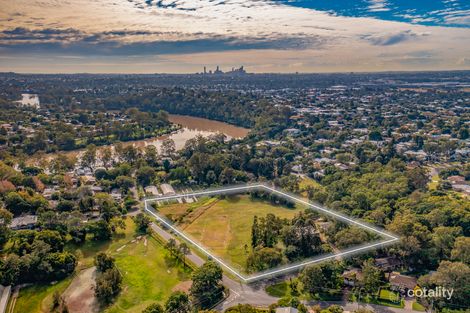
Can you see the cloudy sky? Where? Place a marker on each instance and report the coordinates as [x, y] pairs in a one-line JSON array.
[[181, 36]]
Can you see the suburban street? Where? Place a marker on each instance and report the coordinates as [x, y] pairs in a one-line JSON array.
[[255, 294]]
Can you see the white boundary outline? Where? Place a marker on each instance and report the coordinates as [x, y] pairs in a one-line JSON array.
[[390, 238]]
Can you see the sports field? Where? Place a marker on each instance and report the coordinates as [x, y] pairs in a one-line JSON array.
[[224, 225]]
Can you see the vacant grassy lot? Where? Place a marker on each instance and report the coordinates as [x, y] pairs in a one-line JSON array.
[[224, 225]]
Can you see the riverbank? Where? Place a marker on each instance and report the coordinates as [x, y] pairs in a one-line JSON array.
[[188, 127]]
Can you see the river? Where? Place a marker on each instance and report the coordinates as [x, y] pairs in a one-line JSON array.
[[190, 128]]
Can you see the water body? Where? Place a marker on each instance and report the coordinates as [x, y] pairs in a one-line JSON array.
[[454, 13], [190, 128]]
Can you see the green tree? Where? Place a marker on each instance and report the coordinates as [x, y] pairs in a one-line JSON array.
[[184, 251], [5, 220], [461, 250], [262, 258], [312, 279], [451, 275], [108, 285], [103, 262], [178, 302], [207, 289], [52, 238], [145, 175], [142, 221], [101, 230], [171, 246], [255, 233], [418, 178], [10, 269], [373, 276], [153, 308], [443, 239]]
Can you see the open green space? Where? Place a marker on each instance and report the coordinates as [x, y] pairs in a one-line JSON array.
[[224, 225], [38, 298], [149, 273]]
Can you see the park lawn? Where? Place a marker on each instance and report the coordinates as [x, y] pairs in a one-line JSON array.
[[224, 226], [87, 251], [38, 298], [149, 275]]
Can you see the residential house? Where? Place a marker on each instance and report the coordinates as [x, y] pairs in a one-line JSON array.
[[352, 277], [388, 264], [167, 189], [402, 283], [24, 222]]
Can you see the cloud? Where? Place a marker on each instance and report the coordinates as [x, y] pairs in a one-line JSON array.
[[393, 39], [123, 42], [378, 6], [249, 29]]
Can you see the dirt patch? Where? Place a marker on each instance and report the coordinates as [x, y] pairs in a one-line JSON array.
[[183, 286], [80, 295], [194, 215]]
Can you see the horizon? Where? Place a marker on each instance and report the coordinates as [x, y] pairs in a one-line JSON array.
[[267, 36], [247, 73]]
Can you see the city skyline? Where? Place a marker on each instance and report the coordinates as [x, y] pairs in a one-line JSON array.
[[266, 36]]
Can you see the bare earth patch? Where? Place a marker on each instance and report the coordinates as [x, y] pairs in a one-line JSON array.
[[183, 286], [80, 295]]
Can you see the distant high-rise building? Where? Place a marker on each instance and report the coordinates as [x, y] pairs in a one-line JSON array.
[[218, 71], [234, 71]]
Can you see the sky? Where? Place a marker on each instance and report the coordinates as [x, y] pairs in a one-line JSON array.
[[282, 36]]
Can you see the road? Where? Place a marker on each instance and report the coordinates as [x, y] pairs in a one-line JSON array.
[[255, 293], [239, 293]]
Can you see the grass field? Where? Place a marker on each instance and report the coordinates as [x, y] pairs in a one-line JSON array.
[[149, 275], [224, 226], [38, 298]]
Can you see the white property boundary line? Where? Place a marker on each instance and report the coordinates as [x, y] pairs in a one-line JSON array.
[[283, 269]]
